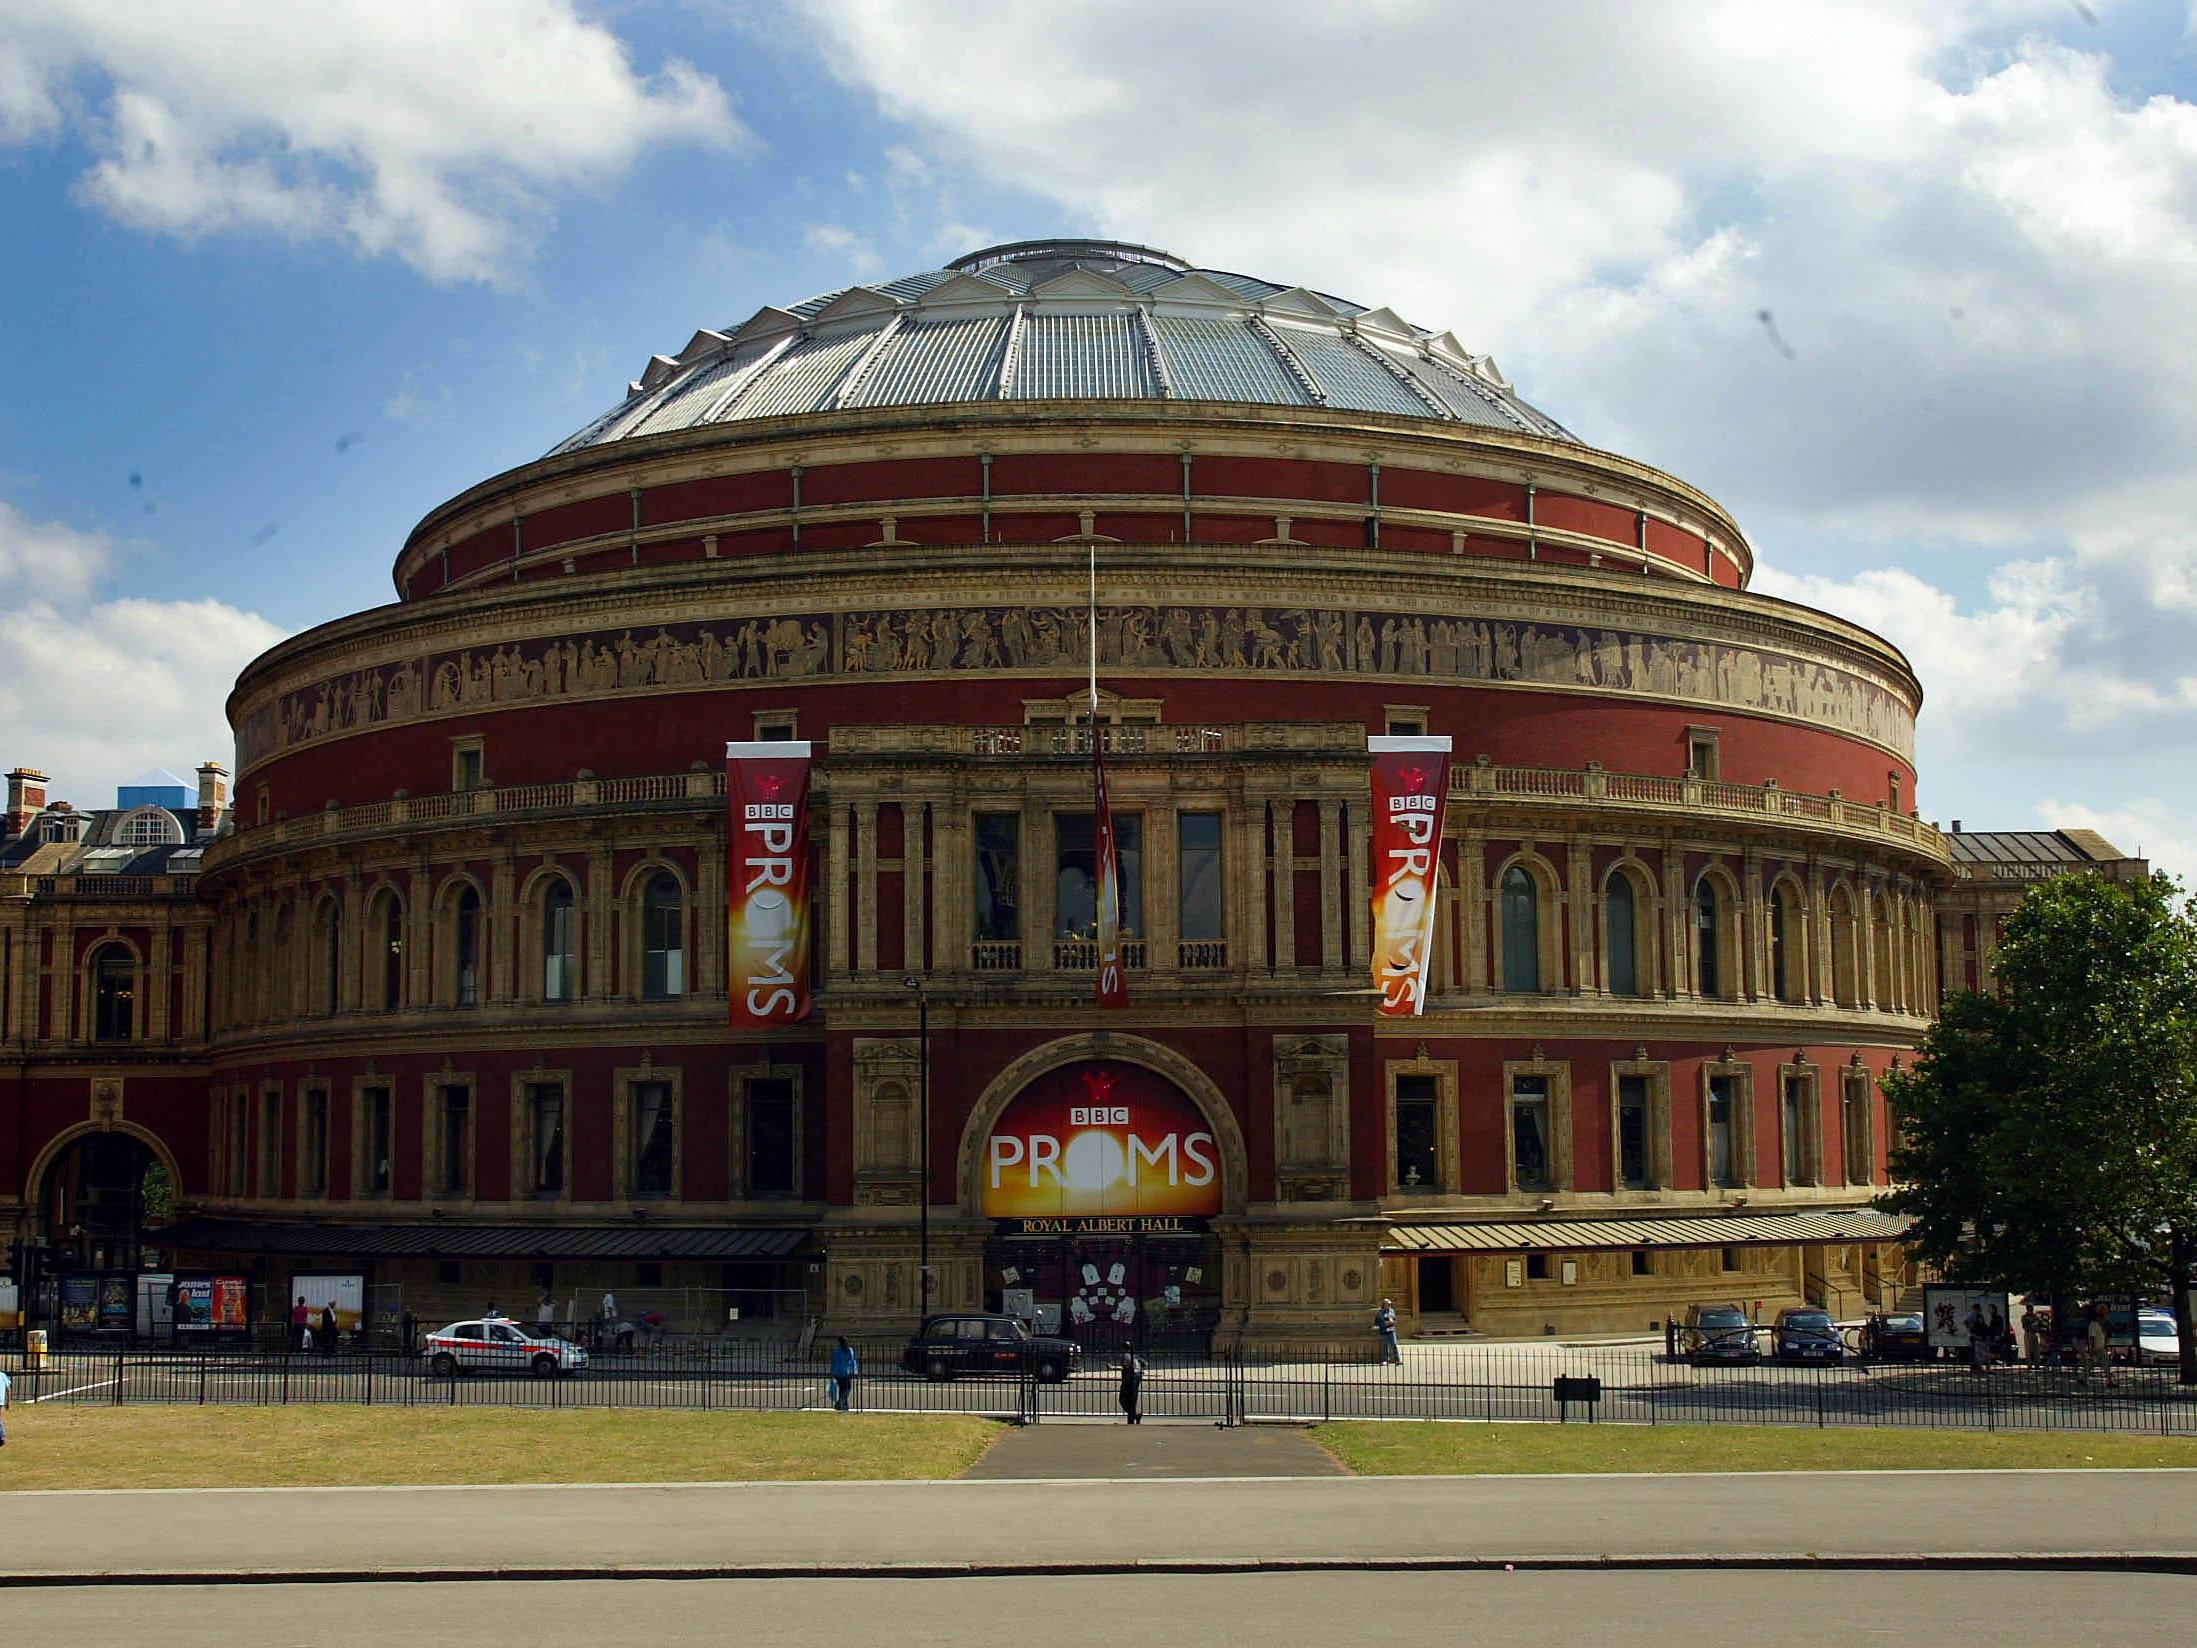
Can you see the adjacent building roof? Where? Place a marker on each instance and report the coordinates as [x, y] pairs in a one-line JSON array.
[[1073, 320], [2072, 848], [1858, 1224]]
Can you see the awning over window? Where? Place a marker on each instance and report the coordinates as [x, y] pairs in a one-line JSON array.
[[1860, 1224], [440, 1240]]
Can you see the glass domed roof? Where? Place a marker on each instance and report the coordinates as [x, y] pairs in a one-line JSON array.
[[1067, 320]]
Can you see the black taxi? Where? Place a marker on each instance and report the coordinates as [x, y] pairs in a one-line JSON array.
[[966, 1342]]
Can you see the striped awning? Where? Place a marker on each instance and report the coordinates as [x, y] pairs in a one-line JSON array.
[[440, 1240], [1859, 1224]]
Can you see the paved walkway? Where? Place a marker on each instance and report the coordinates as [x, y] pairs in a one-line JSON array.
[[1054, 1452], [1037, 1527]]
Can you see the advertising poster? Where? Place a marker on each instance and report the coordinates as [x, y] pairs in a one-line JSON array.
[[1410, 788], [1945, 1312], [116, 1306], [232, 1304], [767, 883], [11, 1306], [79, 1304], [194, 1304], [348, 1292], [1104, 1148]]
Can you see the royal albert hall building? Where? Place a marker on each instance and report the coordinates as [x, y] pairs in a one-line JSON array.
[[466, 1027]]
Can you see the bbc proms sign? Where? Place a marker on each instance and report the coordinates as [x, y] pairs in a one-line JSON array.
[[1107, 1141], [767, 907]]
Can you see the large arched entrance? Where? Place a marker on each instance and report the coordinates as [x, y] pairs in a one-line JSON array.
[[91, 1200], [1101, 1177]]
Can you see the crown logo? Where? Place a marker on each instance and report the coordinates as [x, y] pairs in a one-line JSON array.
[[1099, 1084], [1415, 779], [769, 784]]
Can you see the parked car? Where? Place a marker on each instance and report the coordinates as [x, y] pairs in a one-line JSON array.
[[1805, 1333], [945, 1346], [2156, 1340], [1717, 1333], [1900, 1337], [504, 1346]]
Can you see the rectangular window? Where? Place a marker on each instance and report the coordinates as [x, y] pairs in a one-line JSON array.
[[1721, 1160], [653, 1121], [378, 1142], [468, 943], [560, 975], [1537, 1267], [545, 1109], [239, 1162], [1529, 1121], [1728, 1258], [998, 914], [1701, 752], [1860, 1154], [1075, 869], [1796, 1130], [770, 1143], [663, 940], [1632, 1132], [270, 1144], [1643, 1262], [1201, 915], [465, 766], [313, 1164], [454, 1160], [1417, 1133]]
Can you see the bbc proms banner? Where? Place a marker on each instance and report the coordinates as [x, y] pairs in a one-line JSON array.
[[1410, 785], [767, 920]]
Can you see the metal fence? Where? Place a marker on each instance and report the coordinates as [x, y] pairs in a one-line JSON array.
[[1632, 1384]]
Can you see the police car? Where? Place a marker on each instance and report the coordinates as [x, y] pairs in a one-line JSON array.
[[501, 1344]]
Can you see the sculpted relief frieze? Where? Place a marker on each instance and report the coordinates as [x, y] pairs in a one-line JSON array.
[[1255, 639]]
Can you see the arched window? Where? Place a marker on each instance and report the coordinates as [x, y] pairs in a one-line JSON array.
[[1708, 914], [1844, 966], [663, 938], [114, 993], [1784, 959], [389, 939], [560, 973], [1521, 930], [149, 827], [1620, 930], [331, 957], [465, 951]]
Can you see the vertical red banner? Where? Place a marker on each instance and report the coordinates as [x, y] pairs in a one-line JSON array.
[[1410, 789], [767, 906], [1112, 987]]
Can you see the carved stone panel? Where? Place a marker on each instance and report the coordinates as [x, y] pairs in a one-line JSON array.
[[1312, 1117], [887, 1078]]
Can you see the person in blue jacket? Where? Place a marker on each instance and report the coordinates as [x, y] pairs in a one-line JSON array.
[[844, 1367]]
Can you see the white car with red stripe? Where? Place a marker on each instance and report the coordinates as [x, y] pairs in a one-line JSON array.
[[499, 1343]]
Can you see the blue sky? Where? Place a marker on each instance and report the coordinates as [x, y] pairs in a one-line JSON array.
[[276, 286]]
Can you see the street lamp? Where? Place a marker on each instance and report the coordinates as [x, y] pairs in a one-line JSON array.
[[923, 1135]]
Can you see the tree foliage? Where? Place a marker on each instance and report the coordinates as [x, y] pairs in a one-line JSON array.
[[2047, 1140]]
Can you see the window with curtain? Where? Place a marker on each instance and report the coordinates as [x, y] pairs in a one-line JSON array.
[[1529, 1122], [663, 938], [652, 1138], [1618, 926], [466, 950], [1198, 876], [1521, 922], [456, 1161], [1796, 1130], [1417, 1134], [1720, 1131], [1781, 951], [331, 959], [545, 1106], [772, 1170], [560, 973], [1708, 975], [1632, 1132], [392, 952], [114, 994]]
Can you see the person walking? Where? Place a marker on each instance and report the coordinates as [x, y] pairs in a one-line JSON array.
[[3, 1407], [2097, 1336], [2032, 1336], [1132, 1385], [545, 1312], [301, 1318], [1384, 1322], [328, 1329], [844, 1367], [1979, 1338]]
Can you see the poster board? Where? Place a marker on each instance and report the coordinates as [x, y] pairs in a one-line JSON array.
[[11, 1306], [318, 1288], [207, 1303], [1945, 1312]]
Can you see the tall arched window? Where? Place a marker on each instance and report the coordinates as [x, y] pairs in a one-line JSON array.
[[1845, 987], [1784, 960], [560, 973], [1620, 936], [389, 940], [465, 951], [663, 938], [331, 957], [114, 993], [1708, 913], [1521, 930]]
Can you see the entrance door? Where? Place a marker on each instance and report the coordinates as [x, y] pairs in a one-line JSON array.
[[1437, 1286]]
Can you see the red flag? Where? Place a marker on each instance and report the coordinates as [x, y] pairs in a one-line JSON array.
[[767, 883], [1410, 786], [1112, 986]]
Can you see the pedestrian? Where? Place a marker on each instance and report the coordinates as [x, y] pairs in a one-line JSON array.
[[3, 1407], [844, 1367], [1132, 1383], [328, 1329], [2097, 1336], [545, 1312], [1979, 1337], [1384, 1322], [300, 1319], [2033, 1331]]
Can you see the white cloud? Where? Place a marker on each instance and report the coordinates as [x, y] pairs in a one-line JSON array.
[[852, 250], [2146, 827], [431, 133], [98, 690]]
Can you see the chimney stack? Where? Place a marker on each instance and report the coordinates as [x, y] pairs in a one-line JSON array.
[[26, 800], [213, 795]]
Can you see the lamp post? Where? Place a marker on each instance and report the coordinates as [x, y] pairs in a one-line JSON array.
[[923, 1146]]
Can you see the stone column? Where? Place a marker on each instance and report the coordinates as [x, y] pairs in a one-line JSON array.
[[1331, 886], [1579, 902], [1040, 919], [1249, 828], [912, 866], [1281, 824], [1357, 895], [419, 942], [838, 953], [709, 916], [1676, 911], [1866, 983], [349, 988], [503, 925], [865, 886], [160, 966], [1472, 887], [1754, 932]]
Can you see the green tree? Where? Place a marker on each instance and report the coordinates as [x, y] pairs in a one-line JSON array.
[[2048, 1138]]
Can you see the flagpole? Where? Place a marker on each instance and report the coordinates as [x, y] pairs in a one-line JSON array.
[[1092, 625]]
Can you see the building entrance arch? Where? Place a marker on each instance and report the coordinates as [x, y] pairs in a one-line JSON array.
[[92, 1190]]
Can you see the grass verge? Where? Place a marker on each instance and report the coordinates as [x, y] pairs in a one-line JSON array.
[[1428, 1448], [297, 1447]]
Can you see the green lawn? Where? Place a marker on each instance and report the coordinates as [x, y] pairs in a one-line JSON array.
[[1433, 1448], [194, 1447]]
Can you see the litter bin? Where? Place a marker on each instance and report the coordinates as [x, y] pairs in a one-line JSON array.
[[34, 1350]]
